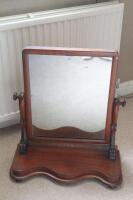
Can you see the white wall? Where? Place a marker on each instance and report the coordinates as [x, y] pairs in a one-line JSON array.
[[126, 56]]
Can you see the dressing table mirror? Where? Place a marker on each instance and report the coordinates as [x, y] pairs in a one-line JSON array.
[[68, 115]]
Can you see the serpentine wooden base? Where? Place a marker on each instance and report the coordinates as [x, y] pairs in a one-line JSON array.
[[67, 164]]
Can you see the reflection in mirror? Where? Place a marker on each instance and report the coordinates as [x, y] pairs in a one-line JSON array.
[[69, 91]]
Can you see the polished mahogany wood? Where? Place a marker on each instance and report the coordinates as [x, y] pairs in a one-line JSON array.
[[67, 164], [69, 52], [68, 132], [67, 154]]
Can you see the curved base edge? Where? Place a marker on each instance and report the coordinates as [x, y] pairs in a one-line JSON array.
[[66, 181], [66, 165]]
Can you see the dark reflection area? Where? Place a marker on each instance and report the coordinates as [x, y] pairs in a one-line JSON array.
[[68, 132]]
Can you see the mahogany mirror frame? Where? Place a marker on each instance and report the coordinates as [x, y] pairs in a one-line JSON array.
[[68, 52], [99, 151]]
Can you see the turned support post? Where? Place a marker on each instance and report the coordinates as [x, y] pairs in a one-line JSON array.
[[23, 145], [117, 103]]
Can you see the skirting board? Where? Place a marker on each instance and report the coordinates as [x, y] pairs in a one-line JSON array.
[[9, 119], [125, 88]]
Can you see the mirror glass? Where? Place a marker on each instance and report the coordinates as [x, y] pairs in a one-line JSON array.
[[69, 91]]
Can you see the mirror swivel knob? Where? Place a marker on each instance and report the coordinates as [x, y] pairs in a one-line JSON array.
[[18, 96]]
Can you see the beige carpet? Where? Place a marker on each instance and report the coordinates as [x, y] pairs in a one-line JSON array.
[[42, 188]]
